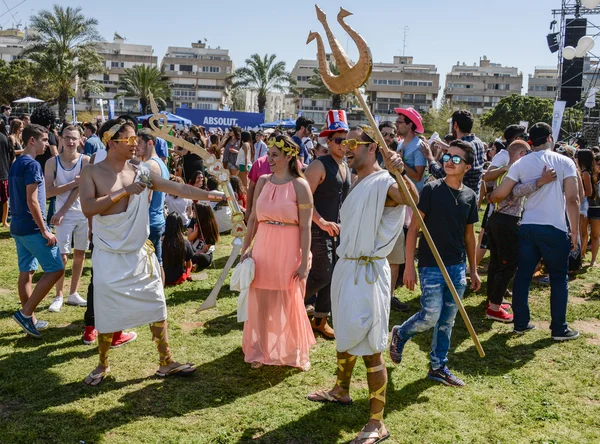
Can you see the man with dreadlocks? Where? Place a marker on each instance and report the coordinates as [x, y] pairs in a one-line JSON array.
[[371, 220], [128, 290]]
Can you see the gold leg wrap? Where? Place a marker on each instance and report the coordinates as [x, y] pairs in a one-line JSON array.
[[344, 375], [378, 394], [159, 332], [104, 342]]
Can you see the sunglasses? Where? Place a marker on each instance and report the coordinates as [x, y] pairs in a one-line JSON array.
[[388, 134], [353, 143], [131, 140], [338, 140], [455, 159]]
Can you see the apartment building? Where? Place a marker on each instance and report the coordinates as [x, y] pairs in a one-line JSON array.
[[197, 75], [279, 105], [402, 84], [118, 56], [11, 44], [543, 82], [479, 88]]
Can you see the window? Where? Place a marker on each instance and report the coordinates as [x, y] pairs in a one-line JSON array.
[[171, 67], [302, 78], [186, 68], [214, 69], [106, 78], [208, 106], [114, 64]]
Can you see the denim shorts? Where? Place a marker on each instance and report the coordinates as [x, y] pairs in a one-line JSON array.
[[155, 237], [32, 249]]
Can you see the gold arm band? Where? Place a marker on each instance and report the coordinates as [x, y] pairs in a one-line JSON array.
[[305, 206], [116, 196]]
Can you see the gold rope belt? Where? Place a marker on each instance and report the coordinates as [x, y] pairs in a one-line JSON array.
[[149, 251], [281, 224], [368, 262]]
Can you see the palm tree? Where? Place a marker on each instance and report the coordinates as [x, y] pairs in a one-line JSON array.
[[319, 90], [64, 43], [262, 75], [141, 81]]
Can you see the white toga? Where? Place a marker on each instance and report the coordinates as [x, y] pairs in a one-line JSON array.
[[360, 290], [128, 291]]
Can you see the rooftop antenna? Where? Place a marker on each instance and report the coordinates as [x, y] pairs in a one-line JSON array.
[[406, 29]]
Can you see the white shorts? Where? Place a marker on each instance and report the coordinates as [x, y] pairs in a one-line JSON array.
[[72, 230]]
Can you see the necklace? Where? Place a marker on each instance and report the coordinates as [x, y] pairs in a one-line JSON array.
[[450, 189]]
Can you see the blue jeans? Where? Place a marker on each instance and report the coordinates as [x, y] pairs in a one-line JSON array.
[[553, 245], [155, 237], [438, 310]]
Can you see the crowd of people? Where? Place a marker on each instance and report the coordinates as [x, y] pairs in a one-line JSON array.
[[330, 232]]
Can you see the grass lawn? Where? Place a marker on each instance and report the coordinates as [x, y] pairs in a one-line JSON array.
[[527, 389]]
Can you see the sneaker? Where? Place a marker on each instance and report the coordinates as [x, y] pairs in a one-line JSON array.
[[398, 306], [310, 309], [501, 315], [396, 346], [567, 335], [121, 338], [75, 299], [26, 324], [56, 305], [504, 306], [521, 331], [89, 335], [445, 376], [41, 325]]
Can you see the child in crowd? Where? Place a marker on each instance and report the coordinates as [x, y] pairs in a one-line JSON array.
[[203, 236]]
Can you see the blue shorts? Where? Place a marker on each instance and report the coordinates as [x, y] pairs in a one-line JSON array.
[[156, 234], [32, 249]]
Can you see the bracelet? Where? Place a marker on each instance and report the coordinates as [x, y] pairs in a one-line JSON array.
[[116, 196], [307, 206], [403, 173]]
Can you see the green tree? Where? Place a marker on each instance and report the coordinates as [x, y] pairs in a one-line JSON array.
[[64, 44], [141, 81], [21, 78], [262, 75], [319, 90], [436, 120]]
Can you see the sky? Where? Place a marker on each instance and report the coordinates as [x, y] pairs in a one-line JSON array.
[[441, 32]]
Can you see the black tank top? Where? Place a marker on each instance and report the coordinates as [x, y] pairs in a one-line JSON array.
[[330, 194]]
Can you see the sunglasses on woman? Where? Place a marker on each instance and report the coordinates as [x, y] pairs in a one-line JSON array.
[[352, 144], [455, 159], [131, 140], [338, 140]]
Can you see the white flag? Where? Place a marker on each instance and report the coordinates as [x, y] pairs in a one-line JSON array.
[[590, 102], [557, 117]]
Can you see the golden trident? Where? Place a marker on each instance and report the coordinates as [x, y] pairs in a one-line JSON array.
[[350, 79], [215, 168]]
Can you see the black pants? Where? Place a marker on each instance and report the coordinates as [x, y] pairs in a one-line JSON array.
[[202, 261], [319, 279], [503, 243], [88, 317]]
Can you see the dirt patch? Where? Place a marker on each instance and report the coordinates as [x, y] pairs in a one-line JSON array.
[[589, 327], [576, 300], [200, 276], [189, 326], [4, 291], [541, 325]]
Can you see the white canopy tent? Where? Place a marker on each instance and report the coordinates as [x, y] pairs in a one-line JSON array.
[[28, 100]]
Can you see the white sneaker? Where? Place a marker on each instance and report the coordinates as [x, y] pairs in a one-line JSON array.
[[56, 305], [75, 299]]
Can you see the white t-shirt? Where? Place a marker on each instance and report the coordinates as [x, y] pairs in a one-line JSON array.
[[243, 158], [545, 206], [501, 159], [179, 205]]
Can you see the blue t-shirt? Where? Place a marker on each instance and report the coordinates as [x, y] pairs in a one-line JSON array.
[[25, 171], [303, 151], [162, 149], [413, 157], [157, 204], [92, 145]]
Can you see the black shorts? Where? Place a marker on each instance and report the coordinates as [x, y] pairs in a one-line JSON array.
[[594, 213]]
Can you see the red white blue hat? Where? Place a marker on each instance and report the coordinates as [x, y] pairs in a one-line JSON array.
[[336, 121]]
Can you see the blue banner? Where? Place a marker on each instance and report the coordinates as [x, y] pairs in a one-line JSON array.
[[111, 109], [212, 120]]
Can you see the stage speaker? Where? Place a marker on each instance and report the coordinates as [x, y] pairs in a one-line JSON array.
[[572, 70], [553, 44]]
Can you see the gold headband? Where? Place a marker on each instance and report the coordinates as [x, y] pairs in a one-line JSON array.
[[287, 150], [111, 133]]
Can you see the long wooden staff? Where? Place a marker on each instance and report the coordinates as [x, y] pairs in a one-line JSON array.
[[351, 77]]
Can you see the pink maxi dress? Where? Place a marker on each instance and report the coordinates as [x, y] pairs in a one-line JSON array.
[[277, 331]]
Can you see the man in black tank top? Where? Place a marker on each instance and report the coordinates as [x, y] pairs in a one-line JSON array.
[[329, 180]]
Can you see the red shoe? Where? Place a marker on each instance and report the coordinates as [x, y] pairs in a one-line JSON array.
[[89, 335], [501, 315], [504, 306], [121, 338]]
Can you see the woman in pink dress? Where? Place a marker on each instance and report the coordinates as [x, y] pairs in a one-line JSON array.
[[278, 331]]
